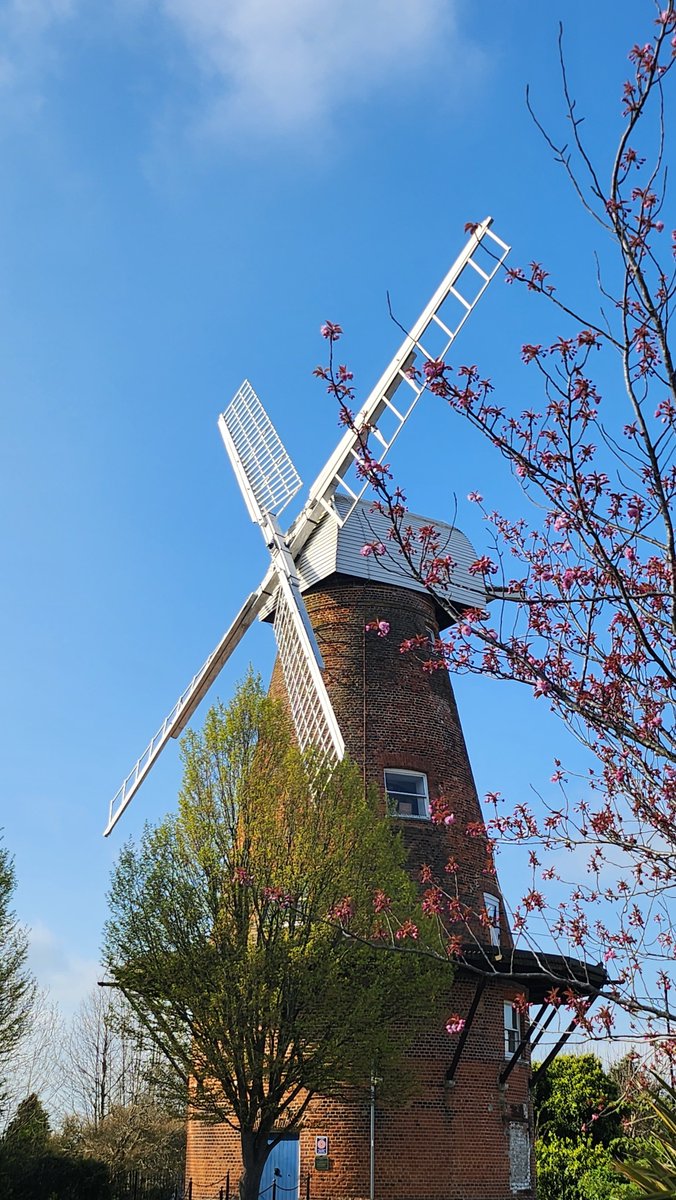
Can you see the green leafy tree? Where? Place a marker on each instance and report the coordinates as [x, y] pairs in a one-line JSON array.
[[579, 1121], [575, 1097], [17, 988], [135, 1137], [653, 1169], [27, 1134], [578, 1169], [241, 930]]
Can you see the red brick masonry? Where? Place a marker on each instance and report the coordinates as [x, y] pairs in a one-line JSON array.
[[449, 1142]]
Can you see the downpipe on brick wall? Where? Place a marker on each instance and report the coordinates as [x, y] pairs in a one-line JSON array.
[[375, 1080]]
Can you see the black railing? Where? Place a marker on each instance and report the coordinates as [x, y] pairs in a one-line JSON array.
[[134, 1185], [274, 1191]]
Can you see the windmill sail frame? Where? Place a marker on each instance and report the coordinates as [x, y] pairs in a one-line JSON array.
[[269, 481]]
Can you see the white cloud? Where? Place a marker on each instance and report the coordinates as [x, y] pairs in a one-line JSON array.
[[68, 977], [27, 29], [285, 66], [34, 16], [267, 68]]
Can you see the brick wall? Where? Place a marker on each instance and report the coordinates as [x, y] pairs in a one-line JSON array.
[[446, 1142]]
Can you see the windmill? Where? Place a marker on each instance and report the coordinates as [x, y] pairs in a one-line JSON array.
[[269, 482], [467, 1133]]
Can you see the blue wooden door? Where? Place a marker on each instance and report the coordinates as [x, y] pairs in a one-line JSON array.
[[282, 1168]]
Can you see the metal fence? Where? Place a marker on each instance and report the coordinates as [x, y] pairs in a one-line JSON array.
[[276, 1191], [134, 1185]]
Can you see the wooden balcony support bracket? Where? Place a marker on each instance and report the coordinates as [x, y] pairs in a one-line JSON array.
[[504, 1075], [564, 1038], [450, 1074], [544, 1027]]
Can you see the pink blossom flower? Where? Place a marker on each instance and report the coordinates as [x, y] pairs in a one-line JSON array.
[[455, 1024], [276, 896], [241, 875], [331, 331], [343, 911], [475, 497], [381, 902], [382, 628], [482, 566], [407, 930]]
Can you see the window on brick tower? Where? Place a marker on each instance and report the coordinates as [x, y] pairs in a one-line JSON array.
[[492, 907], [407, 794], [512, 1029]]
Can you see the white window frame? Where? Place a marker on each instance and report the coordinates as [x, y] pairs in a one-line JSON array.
[[512, 1028], [492, 906], [422, 796]]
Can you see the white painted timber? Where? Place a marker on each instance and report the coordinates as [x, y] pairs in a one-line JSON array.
[[185, 706], [335, 548], [313, 716], [316, 545], [268, 480], [264, 471], [384, 404]]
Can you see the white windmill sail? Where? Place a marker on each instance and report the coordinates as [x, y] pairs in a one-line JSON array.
[[264, 471], [269, 482], [185, 706], [432, 337]]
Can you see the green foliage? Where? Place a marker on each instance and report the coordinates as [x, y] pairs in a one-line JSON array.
[[579, 1118], [653, 1171], [28, 1132], [223, 932], [17, 988], [577, 1169], [134, 1137], [575, 1099], [58, 1177], [32, 1167]]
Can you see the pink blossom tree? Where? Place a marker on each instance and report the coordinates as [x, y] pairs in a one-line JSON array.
[[583, 583]]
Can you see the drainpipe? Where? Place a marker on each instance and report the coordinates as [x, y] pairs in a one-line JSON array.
[[375, 1080]]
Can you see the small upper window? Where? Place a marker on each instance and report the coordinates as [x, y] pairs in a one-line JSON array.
[[407, 793], [492, 906], [512, 1029]]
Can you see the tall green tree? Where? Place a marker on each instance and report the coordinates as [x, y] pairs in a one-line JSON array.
[[17, 987], [579, 1115], [575, 1097], [27, 1134], [652, 1167], [228, 927]]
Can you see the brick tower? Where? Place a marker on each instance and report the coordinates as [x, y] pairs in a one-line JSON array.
[[466, 1133]]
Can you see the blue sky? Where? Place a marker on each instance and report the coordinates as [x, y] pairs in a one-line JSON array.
[[189, 189]]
